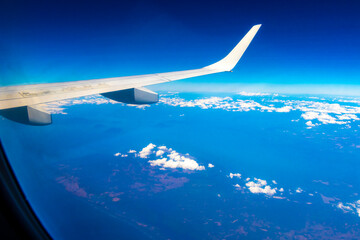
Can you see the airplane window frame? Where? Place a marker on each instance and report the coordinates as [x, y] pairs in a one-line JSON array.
[[17, 218]]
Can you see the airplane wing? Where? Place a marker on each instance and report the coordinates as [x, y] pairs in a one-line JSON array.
[[21, 103]]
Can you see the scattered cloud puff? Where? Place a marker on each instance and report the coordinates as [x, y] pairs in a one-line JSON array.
[[310, 124], [313, 112], [350, 207], [322, 117], [146, 151], [237, 175], [260, 186], [169, 158], [249, 94], [176, 160], [210, 165], [159, 153], [343, 207], [299, 190], [166, 158], [119, 154]]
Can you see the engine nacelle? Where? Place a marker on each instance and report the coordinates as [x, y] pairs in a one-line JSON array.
[[133, 96], [30, 115]]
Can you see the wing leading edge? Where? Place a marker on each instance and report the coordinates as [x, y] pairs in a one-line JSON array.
[[30, 95]]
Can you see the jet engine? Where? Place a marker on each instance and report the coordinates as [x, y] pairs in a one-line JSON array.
[[30, 115], [133, 96]]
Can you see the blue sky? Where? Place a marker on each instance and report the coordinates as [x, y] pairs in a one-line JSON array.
[[302, 45]]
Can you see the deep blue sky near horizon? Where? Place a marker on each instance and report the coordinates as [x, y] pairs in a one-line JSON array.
[[300, 42]]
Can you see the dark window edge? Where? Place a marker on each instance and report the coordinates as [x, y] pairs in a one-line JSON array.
[[17, 217]]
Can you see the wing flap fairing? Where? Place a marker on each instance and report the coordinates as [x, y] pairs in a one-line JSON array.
[[133, 96], [30, 115]]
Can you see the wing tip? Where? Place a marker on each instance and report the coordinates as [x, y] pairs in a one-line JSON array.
[[257, 27], [229, 62]]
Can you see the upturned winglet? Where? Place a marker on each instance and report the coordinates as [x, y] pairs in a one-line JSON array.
[[229, 62]]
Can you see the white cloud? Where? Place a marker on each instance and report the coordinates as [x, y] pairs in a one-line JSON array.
[[169, 158], [299, 190], [159, 153], [348, 117], [175, 160], [315, 112], [322, 117], [249, 94], [310, 124], [119, 154], [59, 107], [313, 108], [232, 175], [256, 187], [353, 207], [349, 101], [142, 106], [263, 182], [165, 158], [326, 113], [344, 207], [284, 109], [224, 103], [260, 186], [146, 151]]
